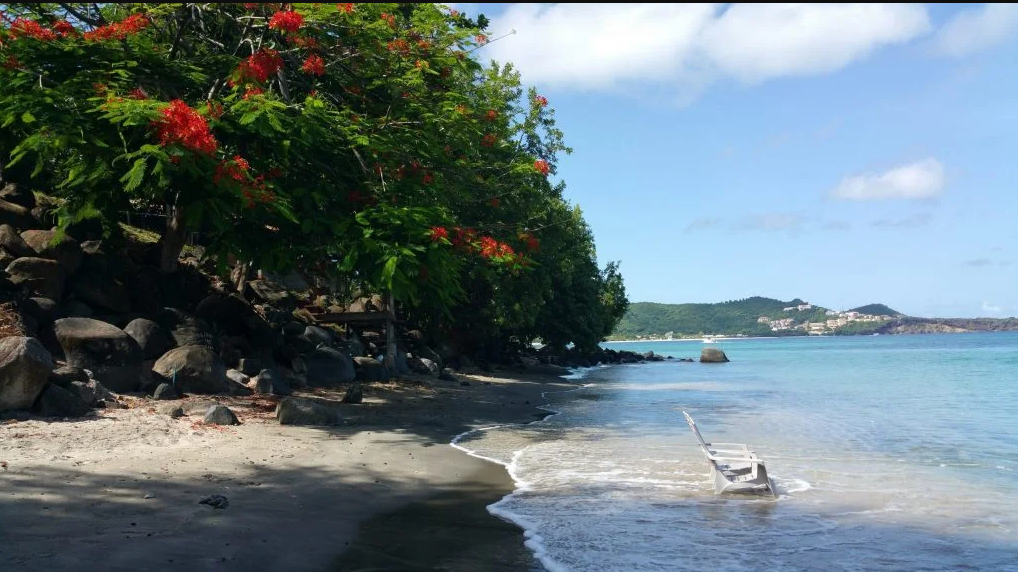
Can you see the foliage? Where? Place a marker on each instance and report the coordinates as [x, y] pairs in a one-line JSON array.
[[363, 140], [732, 317], [876, 310]]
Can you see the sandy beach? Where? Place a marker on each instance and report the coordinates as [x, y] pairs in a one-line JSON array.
[[384, 491]]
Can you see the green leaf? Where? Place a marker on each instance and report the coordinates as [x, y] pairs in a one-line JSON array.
[[27, 117], [134, 177]]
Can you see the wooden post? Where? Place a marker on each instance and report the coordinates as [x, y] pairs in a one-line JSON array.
[[390, 333]]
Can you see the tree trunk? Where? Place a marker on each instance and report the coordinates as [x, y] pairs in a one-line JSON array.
[[390, 333], [173, 239]]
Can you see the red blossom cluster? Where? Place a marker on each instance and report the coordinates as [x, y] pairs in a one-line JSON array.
[[541, 100], [488, 140], [129, 26], [251, 5], [313, 65], [421, 64], [235, 169], [389, 19], [11, 63], [64, 28], [428, 178], [345, 8], [25, 28], [400, 46], [481, 39], [491, 115], [253, 91], [182, 125], [438, 233], [215, 109], [138, 93], [542, 166], [306, 42], [286, 21], [496, 202], [423, 45], [531, 242], [259, 66]]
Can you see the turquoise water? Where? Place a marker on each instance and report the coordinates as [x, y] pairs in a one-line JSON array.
[[890, 453]]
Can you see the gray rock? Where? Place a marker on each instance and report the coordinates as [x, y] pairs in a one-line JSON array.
[[43, 310], [16, 215], [5, 260], [370, 369], [165, 391], [428, 353], [64, 249], [92, 246], [92, 392], [112, 356], [171, 409], [270, 292], [298, 366], [318, 335], [100, 291], [75, 309], [237, 376], [153, 340], [249, 366], [196, 369], [270, 382], [447, 374], [328, 367], [19, 195], [56, 401], [12, 242], [354, 394], [365, 304], [424, 366], [648, 355], [42, 276], [64, 376], [185, 329], [25, 367], [215, 501], [712, 355], [220, 415], [238, 388], [300, 411]]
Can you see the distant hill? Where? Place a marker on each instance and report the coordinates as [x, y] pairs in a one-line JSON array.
[[876, 310]]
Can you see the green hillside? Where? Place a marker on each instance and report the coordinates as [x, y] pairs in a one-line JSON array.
[[732, 317], [876, 310]]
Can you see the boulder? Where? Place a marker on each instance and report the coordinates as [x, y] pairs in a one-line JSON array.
[[112, 356], [293, 329], [365, 304], [271, 293], [25, 367], [237, 376], [56, 401], [153, 340], [300, 411], [19, 195], [75, 309], [185, 329], [172, 409], [328, 367], [318, 335], [220, 415], [424, 366], [712, 355], [428, 353], [64, 376], [100, 291], [93, 247], [270, 382], [648, 355], [92, 393], [43, 310], [40, 217], [195, 370], [42, 276], [249, 366], [165, 391], [12, 242], [354, 394], [370, 369], [63, 249], [16, 215], [447, 374], [5, 259]]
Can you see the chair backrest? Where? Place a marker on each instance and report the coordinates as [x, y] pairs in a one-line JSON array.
[[692, 425]]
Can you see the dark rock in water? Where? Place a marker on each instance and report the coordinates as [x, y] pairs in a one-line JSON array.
[[56, 401], [370, 369], [64, 376], [328, 367], [447, 374], [64, 250], [165, 391], [300, 411], [25, 367], [669, 357], [43, 310], [424, 366], [270, 382], [647, 355], [42, 276], [19, 195], [318, 335], [12, 242], [354, 394], [712, 355], [153, 340], [215, 501], [75, 309], [100, 291], [220, 415], [197, 369], [249, 366], [112, 356]]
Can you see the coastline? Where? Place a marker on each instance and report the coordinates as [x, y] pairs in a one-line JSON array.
[[120, 491]]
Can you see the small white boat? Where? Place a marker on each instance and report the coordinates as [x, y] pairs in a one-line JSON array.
[[709, 341]]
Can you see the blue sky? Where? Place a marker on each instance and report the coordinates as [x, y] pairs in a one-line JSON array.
[[842, 154]]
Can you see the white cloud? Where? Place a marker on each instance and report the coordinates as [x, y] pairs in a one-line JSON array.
[[912, 221], [975, 30], [688, 46], [703, 223], [920, 180], [987, 307]]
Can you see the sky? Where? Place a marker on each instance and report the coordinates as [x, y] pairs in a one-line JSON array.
[[843, 154]]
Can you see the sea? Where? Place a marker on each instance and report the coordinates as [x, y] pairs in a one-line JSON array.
[[889, 453]]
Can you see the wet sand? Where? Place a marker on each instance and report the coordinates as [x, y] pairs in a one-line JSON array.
[[384, 491]]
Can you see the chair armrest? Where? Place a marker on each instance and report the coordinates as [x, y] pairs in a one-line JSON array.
[[742, 445]]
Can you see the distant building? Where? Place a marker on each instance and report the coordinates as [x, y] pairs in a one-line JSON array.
[[833, 323], [802, 307], [788, 309], [832, 312], [763, 320]]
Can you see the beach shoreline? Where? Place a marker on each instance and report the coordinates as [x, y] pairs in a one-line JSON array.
[[384, 491]]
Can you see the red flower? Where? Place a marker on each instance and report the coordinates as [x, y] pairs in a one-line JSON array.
[[64, 28], [400, 46], [253, 91], [259, 66], [215, 110], [488, 140], [25, 28], [531, 241], [251, 5], [438, 233], [541, 166], [235, 170], [314, 65], [489, 246], [182, 125], [491, 115], [138, 93], [305, 42], [481, 39], [428, 178], [454, 13], [424, 44], [345, 8], [496, 202], [420, 64], [119, 30], [541, 100], [288, 21], [100, 88], [11, 63], [504, 250], [389, 19]]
